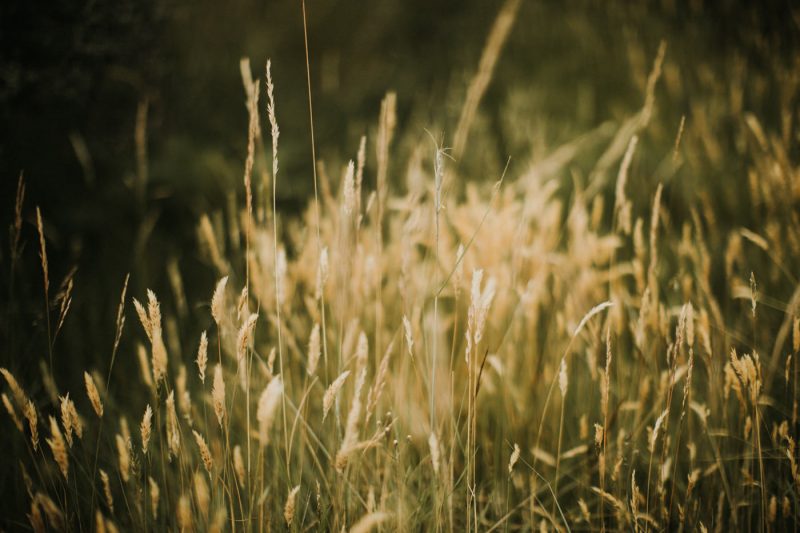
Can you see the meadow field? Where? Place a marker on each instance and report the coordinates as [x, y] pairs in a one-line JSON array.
[[600, 336]]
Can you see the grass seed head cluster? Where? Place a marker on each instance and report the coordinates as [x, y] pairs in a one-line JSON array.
[[388, 358]]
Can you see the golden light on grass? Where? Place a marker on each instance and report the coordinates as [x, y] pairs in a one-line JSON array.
[[94, 396], [421, 348]]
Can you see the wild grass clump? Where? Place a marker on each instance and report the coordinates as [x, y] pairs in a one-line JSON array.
[[443, 354]]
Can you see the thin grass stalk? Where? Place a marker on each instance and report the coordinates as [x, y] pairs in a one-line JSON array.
[[275, 134]]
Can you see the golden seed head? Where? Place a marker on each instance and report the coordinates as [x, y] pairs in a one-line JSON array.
[[94, 396]]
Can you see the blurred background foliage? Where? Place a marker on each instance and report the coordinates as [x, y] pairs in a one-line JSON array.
[[75, 75]]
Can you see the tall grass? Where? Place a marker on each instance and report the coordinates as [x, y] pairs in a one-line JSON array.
[[677, 371]]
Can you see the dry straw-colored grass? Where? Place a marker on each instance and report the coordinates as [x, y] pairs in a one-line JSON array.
[[392, 358]]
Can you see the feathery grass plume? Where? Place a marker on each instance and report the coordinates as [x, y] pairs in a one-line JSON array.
[[361, 159], [58, 447], [314, 350], [549, 251], [173, 432], [655, 431], [563, 379], [248, 83], [436, 452], [678, 137], [599, 432], [253, 131], [119, 324], [606, 386], [636, 495], [99, 522], [184, 513], [480, 301], [218, 302], [743, 375], [217, 524], [29, 412], [218, 394], [201, 494], [409, 336], [350, 440], [182, 390], [42, 251], [19, 394], [369, 522], [438, 177], [154, 496], [144, 366], [146, 427], [153, 310], [151, 322], [652, 282], [274, 131], [243, 306], [94, 396], [289, 508], [123, 457], [279, 265], [75, 420], [12, 413], [144, 319], [202, 357], [773, 509], [331, 392], [599, 308], [52, 511], [349, 190], [159, 359], [514, 458], [242, 342], [238, 465], [652, 79], [271, 362], [66, 418], [584, 509], [386, 124], [107, 489], [64, 299], [362, 350], [207, 239], [267, 408], [205, 453]]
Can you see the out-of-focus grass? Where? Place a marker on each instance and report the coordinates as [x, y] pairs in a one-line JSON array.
[[605, 338]]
